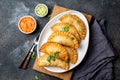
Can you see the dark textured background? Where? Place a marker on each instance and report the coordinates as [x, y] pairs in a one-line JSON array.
[[14, 44]]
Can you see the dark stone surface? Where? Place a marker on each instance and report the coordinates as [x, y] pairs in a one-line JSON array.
[[14, 44]]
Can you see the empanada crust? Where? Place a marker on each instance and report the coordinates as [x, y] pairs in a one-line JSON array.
[[64, 38], [51, 48], [71, 29], [42, 61], [77, 22], [72, 54]]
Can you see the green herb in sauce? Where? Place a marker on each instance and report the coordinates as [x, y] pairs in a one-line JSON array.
[[66, 28]]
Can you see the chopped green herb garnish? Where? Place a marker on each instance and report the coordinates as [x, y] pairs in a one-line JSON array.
[[42, 75], [72, 38], [56, 53], [32, 55], [49, 15], [53, 58], [48, 58], [66, 28], [36, 77]]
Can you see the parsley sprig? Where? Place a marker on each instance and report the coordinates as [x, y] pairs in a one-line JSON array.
[[50, 58], [32, 55], [56, 53], [66, 28]]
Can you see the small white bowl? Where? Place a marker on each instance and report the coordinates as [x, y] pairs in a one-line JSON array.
[[41, 10], [20, 27]]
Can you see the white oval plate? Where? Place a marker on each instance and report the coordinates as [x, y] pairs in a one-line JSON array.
[[47, 31]]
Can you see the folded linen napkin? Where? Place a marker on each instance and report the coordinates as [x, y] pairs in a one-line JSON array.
[[97, 64]]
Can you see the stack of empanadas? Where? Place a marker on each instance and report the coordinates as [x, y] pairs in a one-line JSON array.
[[60, 48], [76, 22]]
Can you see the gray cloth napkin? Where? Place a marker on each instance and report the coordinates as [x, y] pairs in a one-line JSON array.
[[97, 64]]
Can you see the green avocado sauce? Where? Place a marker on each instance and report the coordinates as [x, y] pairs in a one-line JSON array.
[[41, 10]]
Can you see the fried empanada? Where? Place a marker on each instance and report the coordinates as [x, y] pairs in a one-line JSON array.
[[67, 28], [73, 54], [64, 38], [46, 60], [55, 49], [77, 22]]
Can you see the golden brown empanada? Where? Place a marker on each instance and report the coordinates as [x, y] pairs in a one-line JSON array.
[[64, 38], [67, 28], [55, 49], [46, 60], [73, 54], [77, 22]]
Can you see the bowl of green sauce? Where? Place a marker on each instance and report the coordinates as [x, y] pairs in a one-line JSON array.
[[41, 10]]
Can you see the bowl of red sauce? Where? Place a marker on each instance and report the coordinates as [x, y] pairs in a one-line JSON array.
[[27, 24]]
